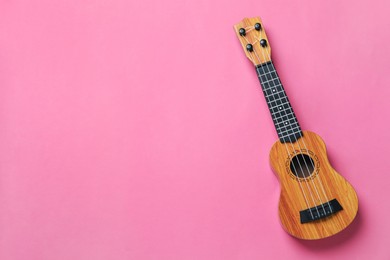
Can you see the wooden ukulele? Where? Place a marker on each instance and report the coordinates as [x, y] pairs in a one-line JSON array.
[[315, 201]]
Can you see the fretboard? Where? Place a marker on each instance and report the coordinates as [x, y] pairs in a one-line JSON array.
[[283, 116]]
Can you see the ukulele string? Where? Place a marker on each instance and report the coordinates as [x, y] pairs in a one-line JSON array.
[[295, 153], [319, 180], [311, 161], [284, 127], [288, 152]]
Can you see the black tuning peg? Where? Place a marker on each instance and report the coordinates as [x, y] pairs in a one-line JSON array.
[[242, 32], [257, 26], [263, 43], [249, 47]]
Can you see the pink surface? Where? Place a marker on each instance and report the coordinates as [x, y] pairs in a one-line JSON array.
[[137, 130]]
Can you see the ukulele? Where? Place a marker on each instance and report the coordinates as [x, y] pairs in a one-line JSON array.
[[315, 201]]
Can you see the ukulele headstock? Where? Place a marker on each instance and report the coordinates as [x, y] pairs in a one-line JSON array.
[[253, 39]]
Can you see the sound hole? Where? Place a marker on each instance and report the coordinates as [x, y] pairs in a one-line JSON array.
[[302, 165]]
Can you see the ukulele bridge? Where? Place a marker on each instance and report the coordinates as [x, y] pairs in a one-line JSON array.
[[321, 211]]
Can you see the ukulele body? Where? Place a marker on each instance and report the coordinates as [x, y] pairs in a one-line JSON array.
[[317, 196]]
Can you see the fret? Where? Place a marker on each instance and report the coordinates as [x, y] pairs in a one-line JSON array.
[[264, 76], [273, 89], [283, 105], [272, 98], [268, 81], [290, 139], [285, 131], [283, 124], [274, 93], [264, 72], [280, 108], [276, 99], [271, 83], [269, 72], [283, 116], [274, 104]]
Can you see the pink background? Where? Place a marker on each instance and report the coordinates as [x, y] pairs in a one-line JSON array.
[[137, 129]]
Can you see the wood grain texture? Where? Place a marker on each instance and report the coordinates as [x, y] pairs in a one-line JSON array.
[[324, 180], [260, 54]]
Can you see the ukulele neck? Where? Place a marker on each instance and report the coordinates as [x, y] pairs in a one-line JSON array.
[[283, 116]]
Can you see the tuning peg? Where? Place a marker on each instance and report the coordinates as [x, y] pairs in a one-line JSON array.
[[242, 32], [263, 43], [257, 26], [249, 47]]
